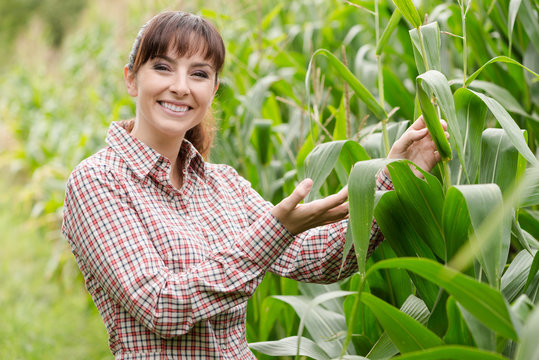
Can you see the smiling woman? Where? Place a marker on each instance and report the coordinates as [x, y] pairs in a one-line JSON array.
[[171, 246]]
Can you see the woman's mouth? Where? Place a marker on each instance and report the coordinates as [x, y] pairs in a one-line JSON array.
[[175, 108]]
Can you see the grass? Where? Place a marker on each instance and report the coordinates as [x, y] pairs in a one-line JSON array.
[[42, 316]]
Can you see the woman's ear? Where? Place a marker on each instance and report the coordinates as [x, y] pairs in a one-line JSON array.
[[130, 82]]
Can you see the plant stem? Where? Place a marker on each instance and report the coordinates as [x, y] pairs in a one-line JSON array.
[[464, 43], [353, 315], [379, 66]]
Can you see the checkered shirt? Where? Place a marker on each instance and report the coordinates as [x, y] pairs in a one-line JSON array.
[[170, 271]]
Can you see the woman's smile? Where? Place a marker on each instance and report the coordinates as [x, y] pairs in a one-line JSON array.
[[173, 93]]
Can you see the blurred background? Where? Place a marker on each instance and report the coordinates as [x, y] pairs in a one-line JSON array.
[[61, 84]]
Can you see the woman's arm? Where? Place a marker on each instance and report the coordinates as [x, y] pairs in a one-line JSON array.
[[113, 248]]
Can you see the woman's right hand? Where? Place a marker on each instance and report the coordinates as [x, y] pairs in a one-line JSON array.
[[297, 217]]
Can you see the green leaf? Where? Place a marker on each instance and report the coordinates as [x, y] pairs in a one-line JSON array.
[[384, 347], [529, 19], [288, 347], [501, 95], [437, 83], [322, 160], [388, 31], [405, 241], [509, 125], [339, 131], [492, 254], [359, 89], [519, 274], [456, 222], [522, 307], [487, 304], [406, 333], [457, 331], [499, 159], [422, 202], [527, 348], [471, 113], [332, 329], [261, 138], [503, 59], [452, 352], [514, 5], [430, 34], [409, 11], [533, 195], [321, 323], [361, 188]]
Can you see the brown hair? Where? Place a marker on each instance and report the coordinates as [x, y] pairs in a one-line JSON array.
[[188, 34]]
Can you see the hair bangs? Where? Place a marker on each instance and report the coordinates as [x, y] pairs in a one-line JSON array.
[[183, 33]]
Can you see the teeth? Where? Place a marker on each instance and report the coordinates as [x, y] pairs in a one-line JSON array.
[[174, 107]]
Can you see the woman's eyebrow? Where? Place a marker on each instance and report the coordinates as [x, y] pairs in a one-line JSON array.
[[172, 61]]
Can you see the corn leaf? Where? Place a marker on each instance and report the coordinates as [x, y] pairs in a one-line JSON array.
[[486, 303], [480, 201], [451, 352], [529, 18], [388, 31], [406, 333], [405, 241], [261, 139], [384, 347], [430, 34], [437, 83], [457, 332], [361, 189], [359, 89], [514, 5], [422, 202], [500, 161], [471, 113], [503, 59], [527, 348], [322, 160], [508, 124], [456, 222], [409, 11], [321, 323], [288, 346], [519, 274]]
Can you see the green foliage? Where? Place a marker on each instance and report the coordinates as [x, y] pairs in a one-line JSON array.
[[459, 250]]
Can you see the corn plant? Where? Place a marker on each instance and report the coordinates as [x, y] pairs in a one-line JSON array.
[[456, 233]]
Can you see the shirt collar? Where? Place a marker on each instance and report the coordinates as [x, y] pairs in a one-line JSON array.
[[141, 158]]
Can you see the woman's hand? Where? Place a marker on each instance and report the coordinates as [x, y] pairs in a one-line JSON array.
[[297, 217], [417, 146]]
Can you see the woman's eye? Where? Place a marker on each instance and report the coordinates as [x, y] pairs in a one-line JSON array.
[[160, 67], [201, 74]]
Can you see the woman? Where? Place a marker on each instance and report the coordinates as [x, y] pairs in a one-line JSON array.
[[171, 247]]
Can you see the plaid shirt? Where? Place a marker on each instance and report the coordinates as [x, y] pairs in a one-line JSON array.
[[170, 271]]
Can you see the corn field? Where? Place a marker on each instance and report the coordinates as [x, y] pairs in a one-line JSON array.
[[322, 89]]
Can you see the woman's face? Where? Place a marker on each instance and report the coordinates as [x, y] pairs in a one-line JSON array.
[[173, 95]]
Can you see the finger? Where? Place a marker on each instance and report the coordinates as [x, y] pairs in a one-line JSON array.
[[324, 205], [410, 137], [444, 123], [418, 124], [299, 193]]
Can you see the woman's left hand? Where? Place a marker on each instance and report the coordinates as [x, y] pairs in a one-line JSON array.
[[417, 146]]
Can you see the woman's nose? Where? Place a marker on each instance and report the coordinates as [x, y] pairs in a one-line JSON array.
[[180, 85]]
